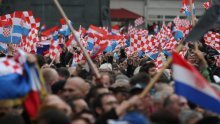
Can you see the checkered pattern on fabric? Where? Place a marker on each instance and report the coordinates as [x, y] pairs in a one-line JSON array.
[[139, 21], [142, 32], [165, 38], [187, 30], [34, 22], [77, 57], [29, 43], [145, 44], [10, 66], [171, 44], [122, 41], [181, 22], [213, 39], [28, 16], [159, 61], [54, 50], [206, 5], [132, 30]]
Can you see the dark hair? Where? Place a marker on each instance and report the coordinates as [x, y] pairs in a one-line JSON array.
[[164, 117], [139, 78], [40, 60], [2, 55], [209, 120], [53, 116], [98, 100], [63, 72], [110, 59], [11, 118], [84, 74], [57, 86], [145, 68], [92, 94], [122, 53]]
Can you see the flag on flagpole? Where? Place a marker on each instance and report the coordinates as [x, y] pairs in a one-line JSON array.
[[139, 21], [193, 86]]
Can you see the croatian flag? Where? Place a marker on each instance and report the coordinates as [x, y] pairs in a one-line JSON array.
[[115, 29], [64, 30], [7, 34], [190, 84], [14, 78], [186, 7], [96, 30], [13, 26]]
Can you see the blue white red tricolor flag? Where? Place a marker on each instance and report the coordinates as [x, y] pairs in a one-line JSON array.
[[190, 84]]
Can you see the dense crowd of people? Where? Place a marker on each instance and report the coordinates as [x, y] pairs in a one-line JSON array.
[[76, 96]]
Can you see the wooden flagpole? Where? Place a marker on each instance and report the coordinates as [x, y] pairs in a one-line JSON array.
[[192, 14], [92, 65], [157, 76]]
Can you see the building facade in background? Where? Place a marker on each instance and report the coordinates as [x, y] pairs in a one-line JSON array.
[[155, 11], [80, 12]]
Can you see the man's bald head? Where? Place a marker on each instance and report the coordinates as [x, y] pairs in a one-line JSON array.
[[50, 75], [75, 87]]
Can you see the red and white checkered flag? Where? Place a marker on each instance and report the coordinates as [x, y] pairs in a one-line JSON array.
[[28, 16], [142, 32], [213, 39], [206, 5], [29, 42], [132, 30], [34, 22], [165, 38], [160, 60], [55, 50], [146, 44], [138, 21], [181, 22]]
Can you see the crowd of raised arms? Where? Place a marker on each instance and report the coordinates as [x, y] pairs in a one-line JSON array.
[[46, 79]]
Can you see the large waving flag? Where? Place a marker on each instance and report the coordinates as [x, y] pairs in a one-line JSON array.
[[190, 84], [20, 24], [213, 40], [19, 80], [13, 27], [14, 82], [7, 34]]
